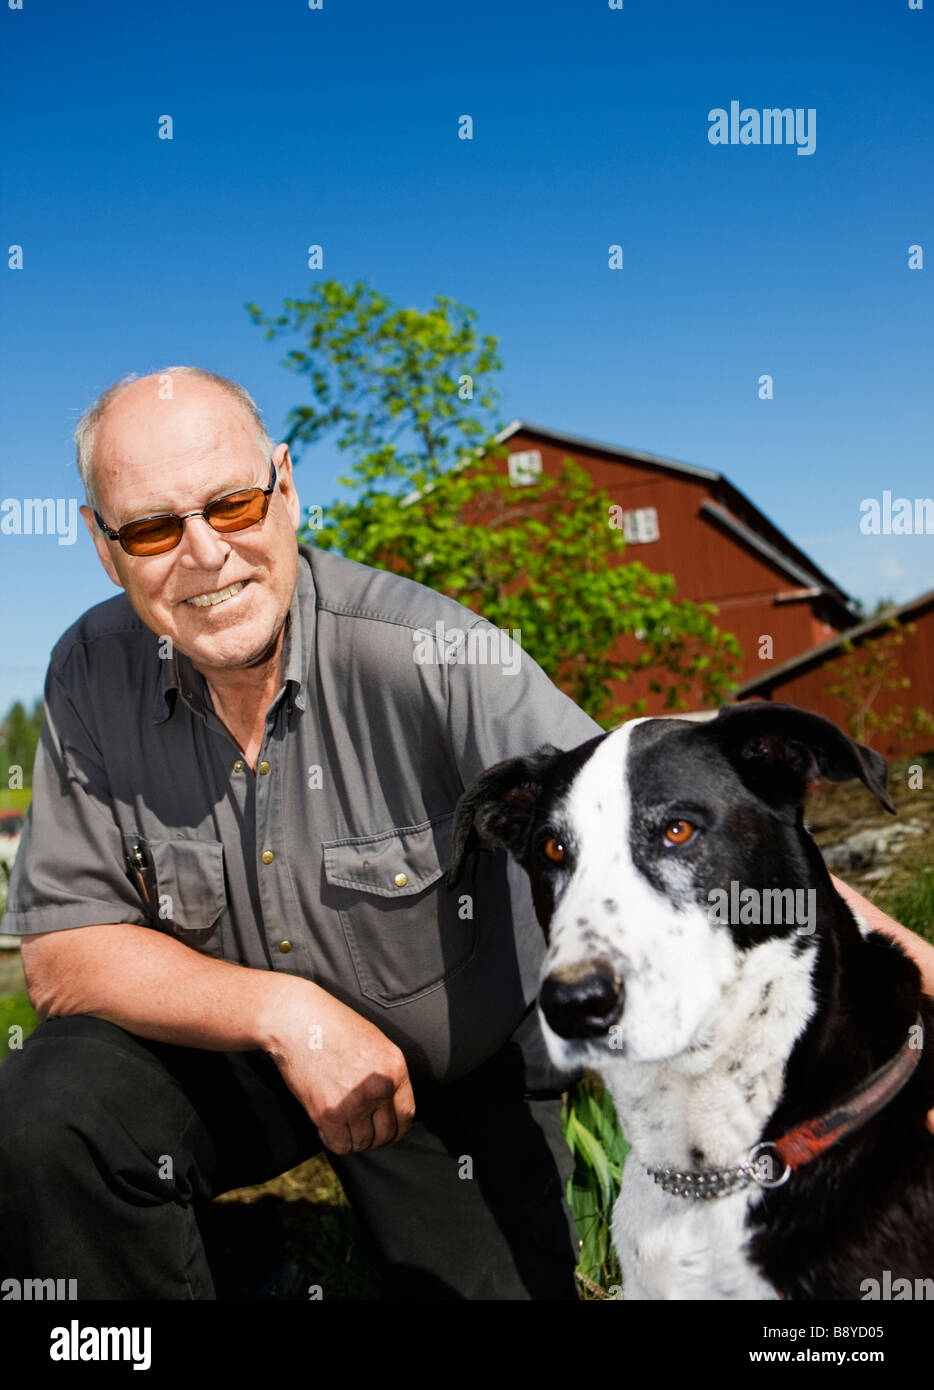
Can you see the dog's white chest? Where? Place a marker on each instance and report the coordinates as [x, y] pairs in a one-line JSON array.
[[681, 1248]]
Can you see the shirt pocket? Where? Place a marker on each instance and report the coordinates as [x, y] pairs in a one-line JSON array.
[[190, 891], [406, 933]]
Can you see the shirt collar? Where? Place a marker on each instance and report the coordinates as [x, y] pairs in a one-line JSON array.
[[299, 632], [176, 675]]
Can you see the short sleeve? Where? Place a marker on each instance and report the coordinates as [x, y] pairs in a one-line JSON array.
[[70, 866]]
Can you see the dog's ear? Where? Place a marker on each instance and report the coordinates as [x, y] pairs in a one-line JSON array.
[[496, 810], [777, 749]]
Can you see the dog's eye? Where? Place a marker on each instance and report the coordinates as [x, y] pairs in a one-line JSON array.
[[554, 850], [678, 832]]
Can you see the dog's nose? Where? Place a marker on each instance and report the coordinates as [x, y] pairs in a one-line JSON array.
[[582, 1000]]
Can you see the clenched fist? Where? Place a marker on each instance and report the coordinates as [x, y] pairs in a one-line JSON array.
[[350, 1078]]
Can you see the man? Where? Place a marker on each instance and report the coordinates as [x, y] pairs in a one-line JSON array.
[[231, 892], [232, 900]]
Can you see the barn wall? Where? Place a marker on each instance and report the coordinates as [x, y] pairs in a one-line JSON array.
[[709, 563], [915, 659]]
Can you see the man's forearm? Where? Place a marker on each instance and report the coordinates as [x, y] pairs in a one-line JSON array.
[[156, 987]]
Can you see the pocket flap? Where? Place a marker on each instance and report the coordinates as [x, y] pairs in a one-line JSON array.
[[190, 875], [393, 864]]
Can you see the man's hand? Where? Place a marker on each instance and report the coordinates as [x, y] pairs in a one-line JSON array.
[[349, 1077]]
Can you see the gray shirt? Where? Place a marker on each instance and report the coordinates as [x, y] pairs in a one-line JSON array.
[[329, 861]]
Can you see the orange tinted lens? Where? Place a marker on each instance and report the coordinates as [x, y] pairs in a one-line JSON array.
[[238, 510], [152, 534]]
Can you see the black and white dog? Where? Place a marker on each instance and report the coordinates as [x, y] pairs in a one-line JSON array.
[[764, 1050]]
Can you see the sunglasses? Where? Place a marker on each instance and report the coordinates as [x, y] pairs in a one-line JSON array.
[[152, 535]]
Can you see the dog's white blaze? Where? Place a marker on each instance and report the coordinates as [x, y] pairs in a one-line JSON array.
[[706, 1031], [675, 964]]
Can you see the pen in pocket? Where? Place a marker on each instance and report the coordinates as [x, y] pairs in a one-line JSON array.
[[140, 871]]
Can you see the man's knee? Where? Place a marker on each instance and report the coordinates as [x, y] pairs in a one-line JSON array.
[[82, 1084]]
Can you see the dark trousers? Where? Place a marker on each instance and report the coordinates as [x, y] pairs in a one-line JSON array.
[[110, 1144]]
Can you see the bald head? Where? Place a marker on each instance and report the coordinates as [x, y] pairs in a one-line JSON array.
[[178, 390]]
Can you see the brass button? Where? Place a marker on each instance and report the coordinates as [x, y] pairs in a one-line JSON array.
[[268, 856], [285, 947], [264, 768], [401, 880], [238, 765], [288, 709]]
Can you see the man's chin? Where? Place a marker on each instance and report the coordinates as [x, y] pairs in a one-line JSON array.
[[210, 657], [235, 650]]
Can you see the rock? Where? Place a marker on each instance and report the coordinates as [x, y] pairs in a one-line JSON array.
[[866, 848]]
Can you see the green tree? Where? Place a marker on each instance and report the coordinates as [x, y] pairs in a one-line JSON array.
[[409, 393], [388, 377], [881, 605], [19, 737]]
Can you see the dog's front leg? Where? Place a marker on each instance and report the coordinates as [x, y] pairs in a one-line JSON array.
[[637, 1216], [667, 1247]]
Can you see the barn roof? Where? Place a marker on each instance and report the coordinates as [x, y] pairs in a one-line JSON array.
[[756, 531], [815, 656]]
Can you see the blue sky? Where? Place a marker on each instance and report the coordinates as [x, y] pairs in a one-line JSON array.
[[339, 127]]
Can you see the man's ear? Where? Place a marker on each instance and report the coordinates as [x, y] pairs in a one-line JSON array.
[[101, 545], [286, 483], [777, 749], [496, 811]]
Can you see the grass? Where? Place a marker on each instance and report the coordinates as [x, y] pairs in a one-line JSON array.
[[15, 1012], [906, 892], [594, 1137], [912, 902]]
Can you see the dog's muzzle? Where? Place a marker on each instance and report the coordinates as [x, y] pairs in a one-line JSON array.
[[583, 1000]]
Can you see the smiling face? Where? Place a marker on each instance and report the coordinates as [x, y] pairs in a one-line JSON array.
[[153, 456]]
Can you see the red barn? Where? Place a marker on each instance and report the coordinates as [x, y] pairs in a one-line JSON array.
[[875, 695], [694, 524]]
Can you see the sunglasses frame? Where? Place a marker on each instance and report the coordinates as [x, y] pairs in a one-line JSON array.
[[174, 516]]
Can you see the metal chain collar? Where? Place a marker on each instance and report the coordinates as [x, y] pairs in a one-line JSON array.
[[721, 1182]]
